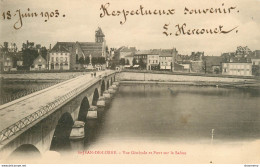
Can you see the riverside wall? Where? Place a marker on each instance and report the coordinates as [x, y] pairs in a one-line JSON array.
[[137, 77]]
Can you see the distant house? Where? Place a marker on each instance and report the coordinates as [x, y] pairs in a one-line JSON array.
[[242, 69], [196, 60], [59, 58], [197, 66], [39, 64], [123, 52], [141, 57], [186, 66], [213, 64], [7, 62], [255, 59], [178, 67], [67, 55], [129, 59], [153, 62], [167, 58]]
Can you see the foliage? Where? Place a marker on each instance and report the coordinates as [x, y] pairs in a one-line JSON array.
[[134, 61], [142, 64], [98, 60], [127, 62], [28, 57], [256, 70], [122, 61], [87, 60], [81, 60], [77, 59]]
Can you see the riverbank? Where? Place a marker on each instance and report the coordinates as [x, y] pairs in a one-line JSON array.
[[139, 78]]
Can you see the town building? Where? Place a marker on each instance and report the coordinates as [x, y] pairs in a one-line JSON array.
[[140, 58], [196, 60], [75, 55], [255, 59], [213, 64], [242, 69], [167, 59], [153, 61], [7, 56], [129, 60], [186, 66], [39, 64], [7, 62], [123, 52], [59, 57]]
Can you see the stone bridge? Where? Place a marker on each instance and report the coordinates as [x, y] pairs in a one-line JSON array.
[[38, 122]]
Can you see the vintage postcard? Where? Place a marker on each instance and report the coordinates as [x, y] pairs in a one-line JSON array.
[[130, 82]]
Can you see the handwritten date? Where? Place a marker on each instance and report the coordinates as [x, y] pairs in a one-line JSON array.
[[19, 16]]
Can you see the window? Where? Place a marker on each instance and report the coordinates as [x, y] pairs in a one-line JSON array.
[[40, 60], [52, 59], [57, 58]]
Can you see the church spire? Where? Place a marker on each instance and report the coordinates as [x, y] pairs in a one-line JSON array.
[[99, 35]]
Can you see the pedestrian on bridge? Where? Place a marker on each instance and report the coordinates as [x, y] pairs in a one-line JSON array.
[[95, 74]]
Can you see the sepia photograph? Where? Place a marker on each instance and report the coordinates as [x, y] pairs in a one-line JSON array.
[[130, 82]]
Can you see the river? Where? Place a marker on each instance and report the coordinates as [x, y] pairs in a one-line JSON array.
[[170, 118]]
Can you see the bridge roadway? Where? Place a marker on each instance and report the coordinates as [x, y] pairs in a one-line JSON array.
[[19, 109]]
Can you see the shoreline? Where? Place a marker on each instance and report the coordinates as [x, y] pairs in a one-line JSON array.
[[198, 83]]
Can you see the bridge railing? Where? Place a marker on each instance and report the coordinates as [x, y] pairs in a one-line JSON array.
[[31, 119]]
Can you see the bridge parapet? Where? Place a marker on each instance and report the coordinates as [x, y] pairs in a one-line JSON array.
[[9, 133]]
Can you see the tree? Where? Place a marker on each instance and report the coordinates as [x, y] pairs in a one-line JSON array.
[[94, 60], [87, 60], [216, 70], [101, 60], [81, 60], [256, 70], [134, 61], [142, 64], [28, 57], [127, 62], [122, 61], [77, 59]]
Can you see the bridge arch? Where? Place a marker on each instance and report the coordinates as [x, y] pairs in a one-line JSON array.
[[95, 97], [83, 110], [103, 87], [25, 151], [107, 84], [60, 140]]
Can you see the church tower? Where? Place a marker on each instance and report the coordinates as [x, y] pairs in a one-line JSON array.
[[99, 36]]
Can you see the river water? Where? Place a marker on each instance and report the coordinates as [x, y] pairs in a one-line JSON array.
[[180, 120]]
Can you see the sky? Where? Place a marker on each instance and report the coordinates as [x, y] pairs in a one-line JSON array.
[[82, 18]]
